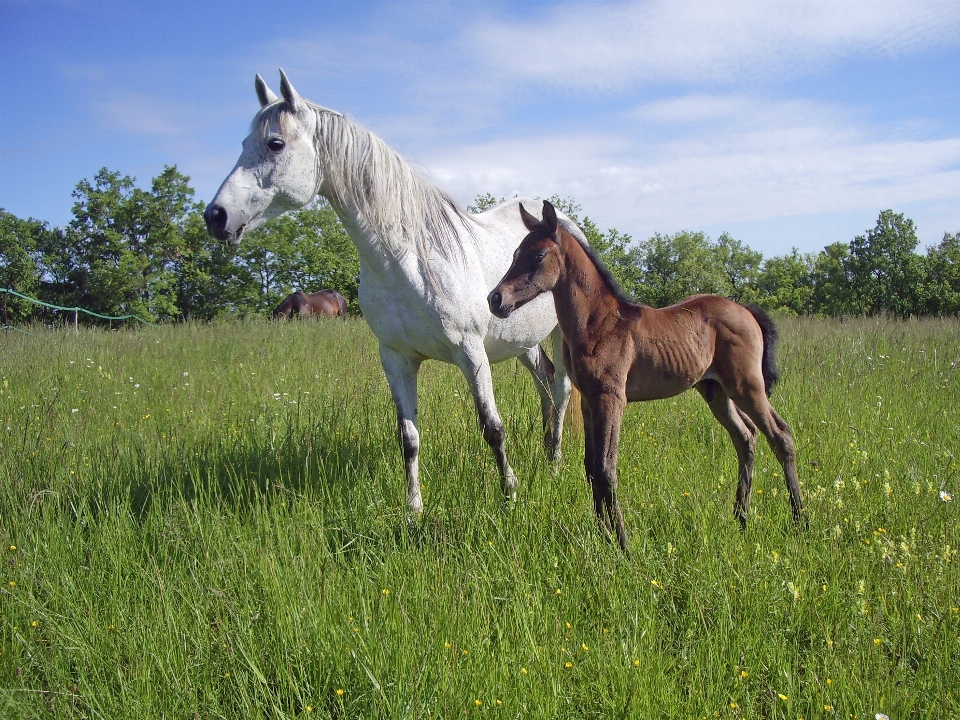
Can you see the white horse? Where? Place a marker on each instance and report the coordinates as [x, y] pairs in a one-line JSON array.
[[426, 265]]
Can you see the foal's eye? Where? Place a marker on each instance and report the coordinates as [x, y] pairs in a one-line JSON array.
[[276, 144], [538, 258]]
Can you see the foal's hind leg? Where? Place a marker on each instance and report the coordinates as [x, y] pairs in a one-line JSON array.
[[777, 432], [744, 435]]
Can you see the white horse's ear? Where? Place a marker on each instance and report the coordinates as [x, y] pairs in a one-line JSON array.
[[289, 94], [264, 94]]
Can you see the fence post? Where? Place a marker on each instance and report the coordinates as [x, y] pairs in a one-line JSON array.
[[76, 328]]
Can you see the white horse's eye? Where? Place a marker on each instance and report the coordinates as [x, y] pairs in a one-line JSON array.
[[276, 144]]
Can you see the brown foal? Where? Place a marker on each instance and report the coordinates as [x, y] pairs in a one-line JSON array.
[[618, 351]]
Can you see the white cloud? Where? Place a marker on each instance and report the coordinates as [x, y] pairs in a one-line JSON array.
[[757, 161], [616, 45], [475, 103]]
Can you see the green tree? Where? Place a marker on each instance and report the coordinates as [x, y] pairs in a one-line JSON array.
[[785, 284], [484, 202], [940, 290], [740, 266], [831, 281], [676, 266], [132, 251], [180, 248], [21, 243], [307, 250], [884, 270]]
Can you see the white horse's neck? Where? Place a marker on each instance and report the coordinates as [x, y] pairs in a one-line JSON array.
[[382, 200]]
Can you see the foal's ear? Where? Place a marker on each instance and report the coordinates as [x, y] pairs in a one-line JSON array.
[[291, 96], [528, 220], [264, 94], [549, 216]]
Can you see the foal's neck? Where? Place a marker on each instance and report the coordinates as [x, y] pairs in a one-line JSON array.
[[583, 297]]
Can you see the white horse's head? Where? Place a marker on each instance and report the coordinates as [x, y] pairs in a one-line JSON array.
[[278, 170]]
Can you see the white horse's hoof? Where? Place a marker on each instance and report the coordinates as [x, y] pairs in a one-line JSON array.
[[509, 487], [414, 509]]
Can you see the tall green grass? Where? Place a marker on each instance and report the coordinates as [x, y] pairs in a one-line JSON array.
[[207, 522]]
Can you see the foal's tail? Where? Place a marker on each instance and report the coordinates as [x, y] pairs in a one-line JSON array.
[[768, 364]]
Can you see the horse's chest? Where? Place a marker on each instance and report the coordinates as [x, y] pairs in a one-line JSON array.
[[406, 317]]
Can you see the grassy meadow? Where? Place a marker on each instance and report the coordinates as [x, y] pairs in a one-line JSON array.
[[207, 522]]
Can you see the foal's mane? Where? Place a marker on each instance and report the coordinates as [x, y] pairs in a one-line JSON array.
[[394, 202], [618, 292]]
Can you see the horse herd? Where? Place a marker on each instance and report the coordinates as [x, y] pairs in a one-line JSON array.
[[437, 282]]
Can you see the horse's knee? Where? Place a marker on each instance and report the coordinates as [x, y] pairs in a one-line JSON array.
[[785, 450], [409, 440], [410, 446], [493, 433]]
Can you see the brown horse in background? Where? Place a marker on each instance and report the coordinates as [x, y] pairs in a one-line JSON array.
[[326, 303], [618, 351]]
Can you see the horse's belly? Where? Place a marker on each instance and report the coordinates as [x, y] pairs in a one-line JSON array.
[[406, 318], [644, 390], [413, 334], [524, 329]]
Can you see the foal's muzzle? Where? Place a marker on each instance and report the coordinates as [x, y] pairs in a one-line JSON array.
[[495, 301]]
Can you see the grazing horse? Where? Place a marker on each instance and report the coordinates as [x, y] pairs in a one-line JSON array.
[[326, 303], [618, 351], [426, 265]]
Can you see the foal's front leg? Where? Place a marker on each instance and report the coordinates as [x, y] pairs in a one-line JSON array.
[[602, 417]]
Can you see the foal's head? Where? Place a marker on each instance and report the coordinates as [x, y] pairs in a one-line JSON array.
[[536, 264]]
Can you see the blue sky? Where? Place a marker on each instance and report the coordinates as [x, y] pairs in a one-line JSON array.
[[786, 124]]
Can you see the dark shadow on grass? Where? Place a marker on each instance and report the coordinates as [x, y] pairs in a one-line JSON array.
[[318, 463]]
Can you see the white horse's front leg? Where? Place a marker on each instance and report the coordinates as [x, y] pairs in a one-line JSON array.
[[401, 371], [475, 366]]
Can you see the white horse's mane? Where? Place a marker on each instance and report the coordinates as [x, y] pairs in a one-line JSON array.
[[394, 202]]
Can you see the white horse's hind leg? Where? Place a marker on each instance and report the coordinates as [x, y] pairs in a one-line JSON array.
[[536, 361], [401, 371], [554, 389], [475, 366], [562, 388]]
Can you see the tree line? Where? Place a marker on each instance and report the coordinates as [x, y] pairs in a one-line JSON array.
[[146, 252], [129, 250]]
